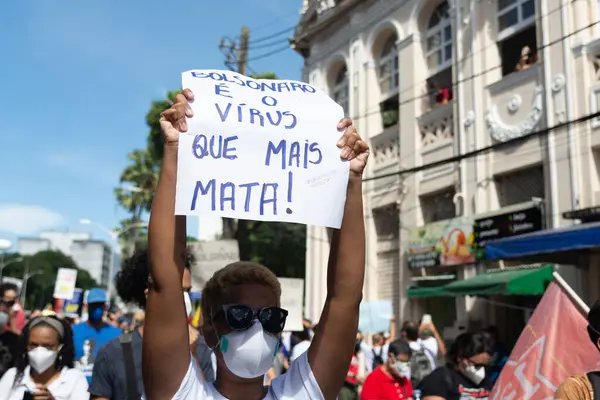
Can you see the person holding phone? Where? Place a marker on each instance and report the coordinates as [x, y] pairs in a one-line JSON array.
[[45, 371]]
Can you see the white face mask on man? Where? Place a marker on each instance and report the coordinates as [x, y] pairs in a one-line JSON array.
[[249, 353], [474, 374], [401, 369], [41, 359]]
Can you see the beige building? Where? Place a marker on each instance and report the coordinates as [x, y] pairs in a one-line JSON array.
[[428, 80]]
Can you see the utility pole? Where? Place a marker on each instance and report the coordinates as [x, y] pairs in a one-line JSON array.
[[235, 57], [243, 59]]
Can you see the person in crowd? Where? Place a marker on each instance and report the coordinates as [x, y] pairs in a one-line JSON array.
[[10, 344], [300, 343], [391, 380], [349, 389], [90, 335], [110, 378], [241, 302], [464, 375], [9, 293], [423, 360], [377, 355], [499, 354], [584, 386], [45, 371]]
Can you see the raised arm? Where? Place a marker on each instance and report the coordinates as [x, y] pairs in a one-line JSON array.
[[166, 345], [331, 351]]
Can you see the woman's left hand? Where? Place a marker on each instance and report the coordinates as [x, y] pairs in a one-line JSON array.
[[42, 393], [354, 149]]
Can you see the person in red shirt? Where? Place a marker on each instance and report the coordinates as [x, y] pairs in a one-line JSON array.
[[391, 381], [8, 296], [350, 389]]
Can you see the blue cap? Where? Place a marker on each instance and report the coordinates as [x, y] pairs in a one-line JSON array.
[[96, 295]]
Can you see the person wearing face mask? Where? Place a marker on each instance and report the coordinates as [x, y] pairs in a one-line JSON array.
[[391, 380], [10, 345], [90, 335], [241, 302], [46, 370], [464, 375], [117, 373]]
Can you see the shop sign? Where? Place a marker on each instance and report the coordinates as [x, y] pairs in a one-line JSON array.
[[506, 225], [442, 243]]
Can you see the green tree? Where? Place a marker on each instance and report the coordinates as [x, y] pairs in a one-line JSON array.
[[43, 267], [280, 246], [135, 193]]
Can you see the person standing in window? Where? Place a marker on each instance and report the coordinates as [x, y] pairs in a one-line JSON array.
[[464, 375]]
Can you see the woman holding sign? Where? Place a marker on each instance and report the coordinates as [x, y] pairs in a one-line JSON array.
[[242, 318]]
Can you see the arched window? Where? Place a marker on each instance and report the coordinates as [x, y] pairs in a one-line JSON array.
[[388, 68], [439, 40], [341, 90]]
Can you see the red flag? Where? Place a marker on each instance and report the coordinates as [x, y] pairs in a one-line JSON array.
[[553, 346]]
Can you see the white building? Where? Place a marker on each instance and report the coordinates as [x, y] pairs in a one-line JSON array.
[[428, 80], [94, 256]]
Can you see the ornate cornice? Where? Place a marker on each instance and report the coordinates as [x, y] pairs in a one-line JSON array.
[[503, 132]]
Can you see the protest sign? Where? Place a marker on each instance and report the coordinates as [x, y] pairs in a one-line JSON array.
[[209, 257], [262, 150], [375, 316], [64, 287], [292, 296]]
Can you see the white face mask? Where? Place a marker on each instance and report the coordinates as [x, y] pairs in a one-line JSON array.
[[474, 374], [250, 353], [188, 304], [41, 359], [402, 369]]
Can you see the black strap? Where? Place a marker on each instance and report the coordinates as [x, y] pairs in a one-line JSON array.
[[130, 376], [594, 378]]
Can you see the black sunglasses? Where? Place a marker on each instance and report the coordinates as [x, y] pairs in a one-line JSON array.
[[9, 303], [240, 317]]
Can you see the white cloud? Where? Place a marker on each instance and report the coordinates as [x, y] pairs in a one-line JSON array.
[[24, 219]]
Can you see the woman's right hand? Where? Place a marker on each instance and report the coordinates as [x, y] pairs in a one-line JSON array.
[[173, 121]]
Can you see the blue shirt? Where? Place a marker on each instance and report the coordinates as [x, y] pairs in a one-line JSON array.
[[87, 341]]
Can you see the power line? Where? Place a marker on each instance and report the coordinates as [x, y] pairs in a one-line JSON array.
[[274, 35], [486, 149], [271, 44], [269, 54]]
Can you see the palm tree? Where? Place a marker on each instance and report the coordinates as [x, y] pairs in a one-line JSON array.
[[136, 191]]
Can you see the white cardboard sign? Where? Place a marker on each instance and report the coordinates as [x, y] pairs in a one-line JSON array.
[[292, 300], [211, 257], [64, 287], [261, 150]]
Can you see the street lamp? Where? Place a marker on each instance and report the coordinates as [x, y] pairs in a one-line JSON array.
[[4, 265], [26, 276], [114, 235]]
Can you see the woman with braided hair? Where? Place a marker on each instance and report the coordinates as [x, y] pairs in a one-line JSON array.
[[45, 371]]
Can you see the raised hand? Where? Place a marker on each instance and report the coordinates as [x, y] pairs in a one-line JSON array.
[[172, 121], [354, 149]]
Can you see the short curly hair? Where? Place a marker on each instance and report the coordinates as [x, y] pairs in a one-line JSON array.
[[131, 281], [220, 287]]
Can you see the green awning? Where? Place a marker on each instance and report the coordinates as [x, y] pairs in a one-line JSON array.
[[505, 282], [418, 292]]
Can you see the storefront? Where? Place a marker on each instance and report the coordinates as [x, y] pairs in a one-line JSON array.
[[436, 254]]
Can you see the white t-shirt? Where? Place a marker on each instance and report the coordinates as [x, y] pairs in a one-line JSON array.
[[299, 349], [369, 356], [297, 384], [431, 349], [71, 384]]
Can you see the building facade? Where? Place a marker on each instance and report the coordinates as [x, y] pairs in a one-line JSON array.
[[466, 105], [94, 256]]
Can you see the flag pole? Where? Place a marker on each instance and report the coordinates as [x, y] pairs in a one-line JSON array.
[[565, 286]]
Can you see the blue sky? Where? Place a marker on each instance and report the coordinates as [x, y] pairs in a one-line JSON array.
[[77, 80]]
